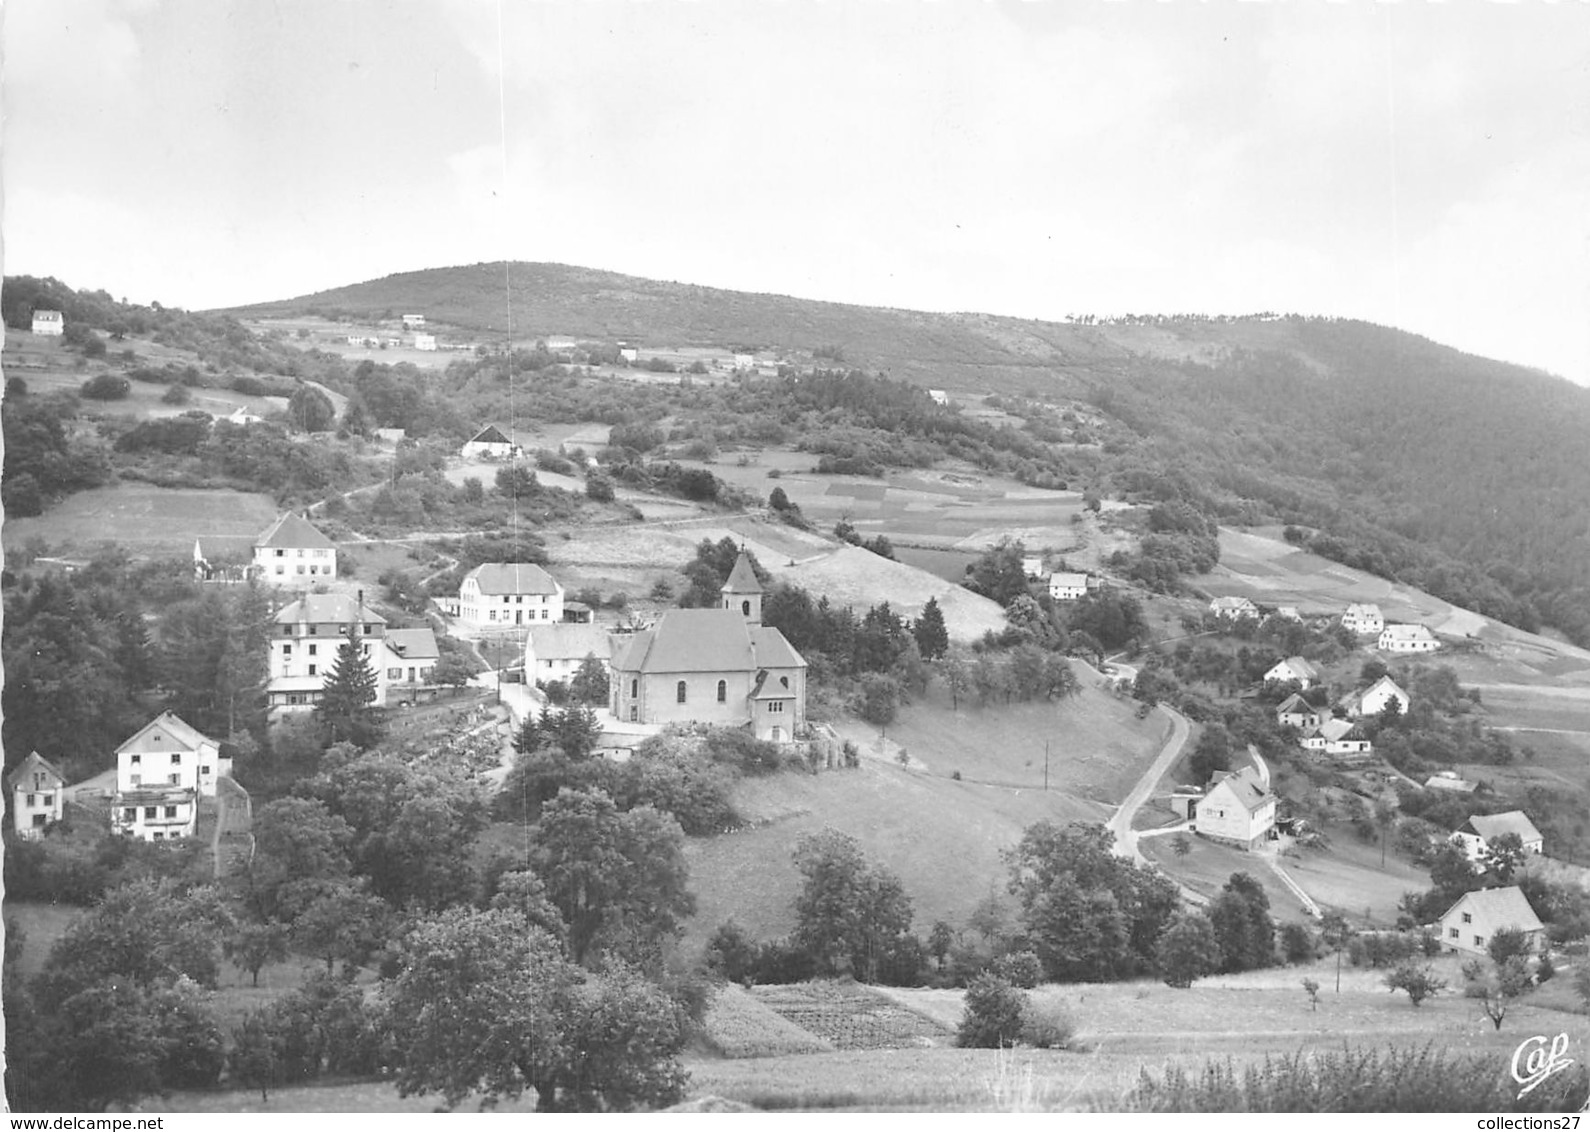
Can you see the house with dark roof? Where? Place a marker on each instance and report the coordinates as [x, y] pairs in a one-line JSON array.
[[1238, 808], [35, 796], [162, 772], [495, 595], [717, 666], [1469, 924], [490, 443], [292, 552], [305, 637], [1297, 712], [1476, 834]]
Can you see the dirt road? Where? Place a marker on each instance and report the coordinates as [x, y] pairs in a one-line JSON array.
[[1121, 824]]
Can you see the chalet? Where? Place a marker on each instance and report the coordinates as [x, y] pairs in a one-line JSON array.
[[1293, 669], [291, 552], [1233, 608], [1032, 565], [161, 773], [35, 796], [1373, 699], [426, 342], [1407, 638], [1068, 587], [1476, 834], [1297, 712], [413, 322], [556, 651], [489, 444], [1469, 925], [51, 324], [1238, 809], [717, 666], [498, 594], [1449, 780], [1364, 620], [305, 638]]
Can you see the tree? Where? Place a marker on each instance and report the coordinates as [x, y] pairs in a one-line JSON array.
[[106, 387], [618, 879], [932, 636], [590, 682], [1420, 982], [310, 410], [1311, 988], [1335, 932], [940, 939], [998, 572], [1243, 928], [255, 1061], [342, 921], [298, 843], [1386, 821], [514, 481], [878, 699], [344, 709], [957, 676], [599, 488], [1506, 944], [849, 911], [778, 500], [1211, 754], [1452, 874], [1187, 950], [1504, 855], [993, 1014], [253, 945]]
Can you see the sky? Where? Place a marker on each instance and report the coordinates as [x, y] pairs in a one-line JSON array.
[[1423, 165]]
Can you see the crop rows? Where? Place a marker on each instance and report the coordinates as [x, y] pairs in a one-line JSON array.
[[739, 1025], [851, 1016]]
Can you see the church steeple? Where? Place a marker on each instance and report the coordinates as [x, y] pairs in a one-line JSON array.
[[742, 591]]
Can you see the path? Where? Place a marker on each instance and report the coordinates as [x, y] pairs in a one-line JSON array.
[[1303, 898], [1121, 824]]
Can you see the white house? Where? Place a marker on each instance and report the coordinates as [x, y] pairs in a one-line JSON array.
[[1365, 620], [1477, 916], [1297, 712], [489, 443], [1233, 608], [1288, 613], [1373, 699], [497, 594], [1067, 586], [556, 651], [1336, 737], [413, 322], [939, 396], [305, 637], [405, 663], [632, 355], [1476, 834], [1238, 809], [425, 342], [744, 361], [1032, 565], [1407, 638], [51, 324], [560, 342], [35, 796], [1296, 669], [241, 416], [291, 552], [161, 773]]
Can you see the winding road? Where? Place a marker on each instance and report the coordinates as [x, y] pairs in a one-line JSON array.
[[1121, 824]]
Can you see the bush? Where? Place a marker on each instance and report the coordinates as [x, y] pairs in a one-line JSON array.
[[993, 1017], [176, 395], [1297, 942], [1019, 968], [107, 387], [1047, 1024]]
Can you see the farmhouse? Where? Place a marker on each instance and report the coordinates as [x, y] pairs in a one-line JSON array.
[[292, 552], [1233, 608], [1470, 924], [304, 642], [1364, 620], [555, 652], [161, 773], [1238, 809], [51, 324], [241, 416], [1373, 699], [719, 666], [1294, 669], [1476, 834], [1068, 587], [488, 444], [1407, 638], [497, 594], [1297, 712], [35, 796]]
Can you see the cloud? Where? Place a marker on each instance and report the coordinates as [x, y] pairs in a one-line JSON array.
[[91, 33]]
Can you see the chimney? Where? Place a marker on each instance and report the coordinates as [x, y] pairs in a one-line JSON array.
[[361, 599]]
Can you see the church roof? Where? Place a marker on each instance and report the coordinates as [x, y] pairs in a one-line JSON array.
[[742, 579], [706, 640]]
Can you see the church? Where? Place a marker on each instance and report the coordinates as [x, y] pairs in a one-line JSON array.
[[717, 666]]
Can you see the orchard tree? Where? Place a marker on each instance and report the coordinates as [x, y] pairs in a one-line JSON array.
[[1187, 950], [1504, 856], [1420, 982]]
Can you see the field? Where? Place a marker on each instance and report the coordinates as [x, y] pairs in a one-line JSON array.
[[144, 518]]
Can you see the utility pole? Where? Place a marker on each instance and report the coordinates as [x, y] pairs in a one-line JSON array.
[[1046, 764]]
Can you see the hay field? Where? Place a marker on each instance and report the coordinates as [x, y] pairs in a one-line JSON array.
[[145, 518]]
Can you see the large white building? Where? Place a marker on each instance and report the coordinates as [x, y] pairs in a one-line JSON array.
[[490, 443], [1406, 639], [498, 594], [1239, 808], [291, 552], [161, 773], [1066, 586], [1365, 620], [308, 634], [36, 800], [1373, 699], [51, 324]]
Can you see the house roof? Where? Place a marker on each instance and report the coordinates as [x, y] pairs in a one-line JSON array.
[[217, 547], [328, 609], [1246, 787], [412, 644], [1068, 581], [1407, 633], [1296, 703], [1448, 781], [512, 578], [1368, 609], [1300, 666], [1504, 906], [491, 434], [1231, 603], [292, 530], [1489, 826], [1334, 729], [1354, 701], [706, 640], [570, 640], [150, 736], [742, 579], [34, 762]]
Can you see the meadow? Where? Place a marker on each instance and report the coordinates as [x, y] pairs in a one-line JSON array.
[[144, 518]]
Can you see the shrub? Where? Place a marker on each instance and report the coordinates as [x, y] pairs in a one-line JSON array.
[[1545, 969], [107, 387], [176, 395], [1019, 968], [1420, 982], [1047, 1024], [1297, 942], [993, 1016]]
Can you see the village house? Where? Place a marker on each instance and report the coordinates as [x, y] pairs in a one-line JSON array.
[[35, 796], [1407, 638], [161, 773], [1297, 712], [1067, 586], [1365, 620], [291, 552], [1469, 925], [1233, 608], [1373, 699], [1294, 669], [51, 324], [1288, 613], [305, 638], [497, 594], [426, 342], [1032, 566], [488, 444], [1476, 834], [405, 663], [556, 651], [1336, 737], [939, 396], [557, 342], [413, 322], [716, 666], [241, 416], [1238, 808]]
